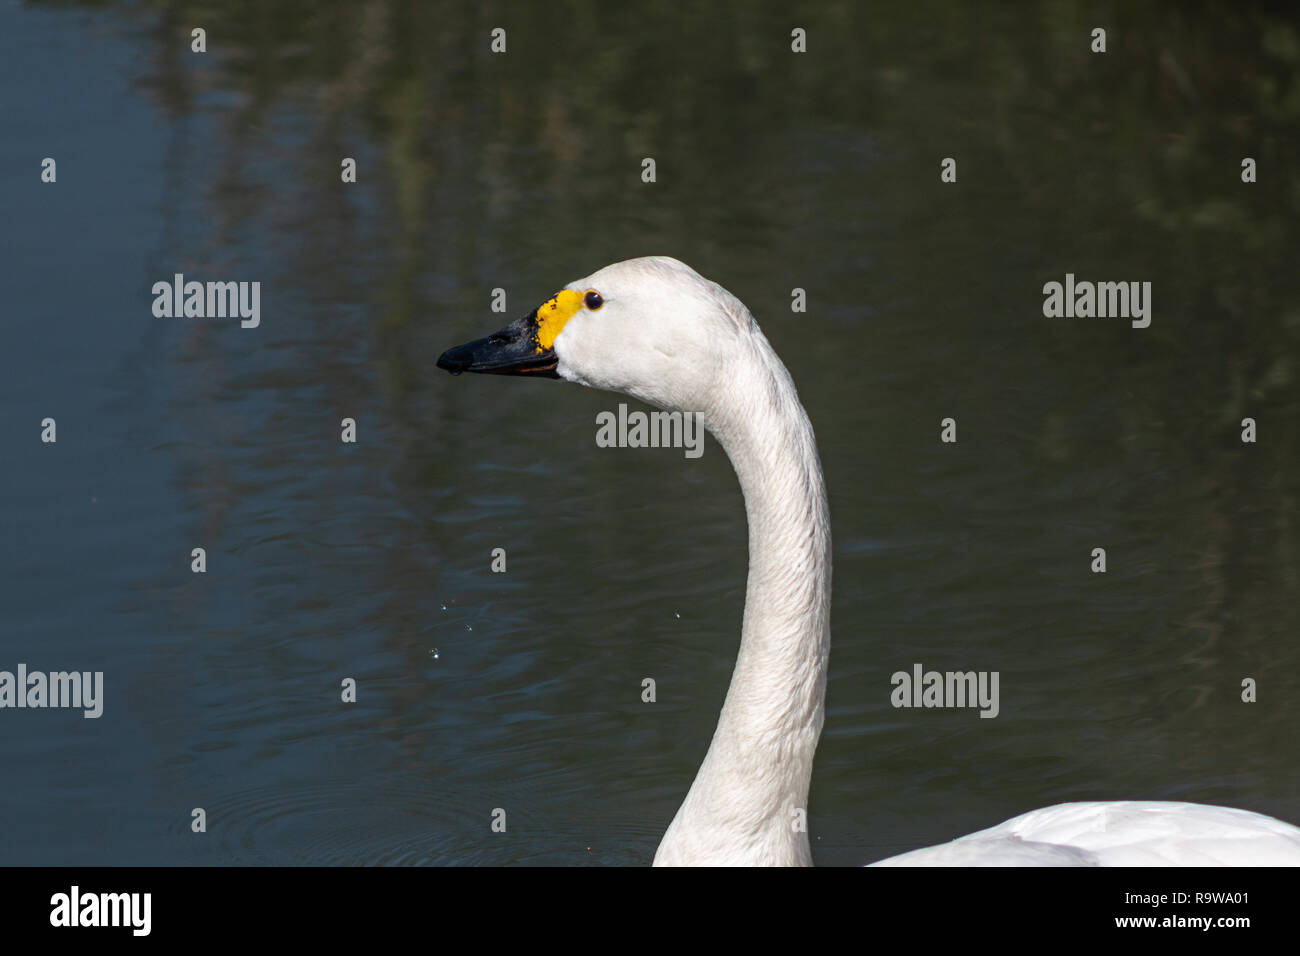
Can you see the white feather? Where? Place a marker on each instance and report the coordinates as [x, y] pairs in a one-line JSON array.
[[1121, 833], [670, 337]]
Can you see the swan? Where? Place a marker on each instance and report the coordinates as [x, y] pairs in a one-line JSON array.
[[657, 330]]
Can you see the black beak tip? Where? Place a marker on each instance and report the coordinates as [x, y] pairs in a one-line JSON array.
[[511, 351], [452, 362]]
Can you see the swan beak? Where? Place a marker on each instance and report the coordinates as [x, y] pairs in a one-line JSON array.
[[514, 350]]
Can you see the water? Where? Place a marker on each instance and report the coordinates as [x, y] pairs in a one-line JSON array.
[[328, 561]]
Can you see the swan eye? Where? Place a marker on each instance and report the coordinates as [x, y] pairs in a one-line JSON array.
[[592, 300]]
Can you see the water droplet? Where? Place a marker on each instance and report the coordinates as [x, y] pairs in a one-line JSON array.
[[434, 653], [444, 607], [676, 615], [469, 627]]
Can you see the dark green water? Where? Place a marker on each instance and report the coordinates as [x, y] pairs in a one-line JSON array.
[[522, 171]]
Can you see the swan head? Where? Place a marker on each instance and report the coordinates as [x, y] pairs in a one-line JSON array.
[[652, 328]]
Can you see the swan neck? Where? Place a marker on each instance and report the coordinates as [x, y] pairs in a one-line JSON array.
[[749, 802]]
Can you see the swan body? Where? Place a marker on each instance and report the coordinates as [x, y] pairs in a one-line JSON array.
[[1120, 833], [655, 329]]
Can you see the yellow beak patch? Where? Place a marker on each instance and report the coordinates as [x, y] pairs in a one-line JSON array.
[[553, 313]]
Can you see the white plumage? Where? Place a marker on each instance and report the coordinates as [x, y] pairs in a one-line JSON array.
[[660, 332], [1120, 833]]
